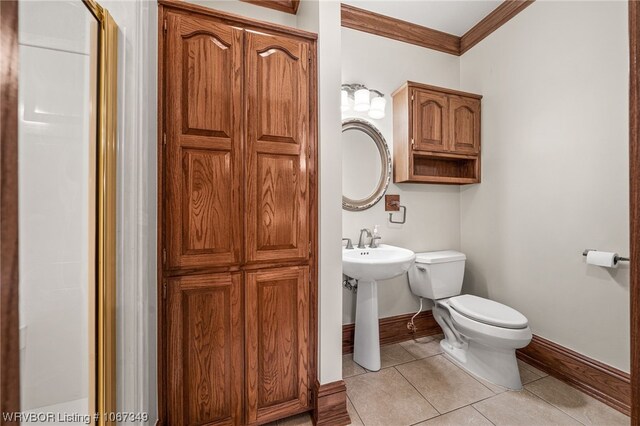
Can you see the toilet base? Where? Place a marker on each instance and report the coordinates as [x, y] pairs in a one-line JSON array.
[[495, 365]]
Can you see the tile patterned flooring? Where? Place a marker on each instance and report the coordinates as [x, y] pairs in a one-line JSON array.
[[418, 386]]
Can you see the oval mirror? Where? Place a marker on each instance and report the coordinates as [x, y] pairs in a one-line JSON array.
[[366, 165]]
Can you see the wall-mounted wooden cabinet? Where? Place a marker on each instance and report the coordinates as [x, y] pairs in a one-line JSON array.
[[436, 135]]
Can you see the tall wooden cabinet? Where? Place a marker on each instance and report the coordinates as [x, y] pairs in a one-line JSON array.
[[238, 215]]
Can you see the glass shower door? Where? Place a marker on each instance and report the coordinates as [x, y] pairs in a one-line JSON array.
[[57, 131]]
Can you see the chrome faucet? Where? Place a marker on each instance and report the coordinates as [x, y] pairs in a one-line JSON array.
[[360, 241], [349, 246]]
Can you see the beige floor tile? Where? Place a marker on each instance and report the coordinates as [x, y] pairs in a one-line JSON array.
[[578, 405], [355, 418], [522, 408], [493, 387], [391, 355], [445, 385], [462, 417], [349, 366], [528, 376], [303, 419], [423, 347], [385, 398], [524, 366]]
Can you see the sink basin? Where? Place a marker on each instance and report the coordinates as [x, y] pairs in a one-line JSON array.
[[368, 266], [375, 264]]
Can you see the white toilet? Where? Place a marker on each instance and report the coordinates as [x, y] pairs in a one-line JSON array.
[[481, 335]]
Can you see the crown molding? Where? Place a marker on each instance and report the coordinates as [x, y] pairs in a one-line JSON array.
[[288, 6], [397, 29], [407, 32]]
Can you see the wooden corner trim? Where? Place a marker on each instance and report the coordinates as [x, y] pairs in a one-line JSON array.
[[394, 329], [497, 18], [634, 205], [397, 29], [330, 404], [601, 381], [330, 388], [9, 265], [288, 6]]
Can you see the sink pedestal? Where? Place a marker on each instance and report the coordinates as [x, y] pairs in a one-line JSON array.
[[366, 345], [368, 266]]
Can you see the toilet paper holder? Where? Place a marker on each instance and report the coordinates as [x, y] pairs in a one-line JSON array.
[[617, 258]]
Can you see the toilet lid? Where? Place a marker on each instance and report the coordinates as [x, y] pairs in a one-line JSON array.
[[442, 256], [488, 312]]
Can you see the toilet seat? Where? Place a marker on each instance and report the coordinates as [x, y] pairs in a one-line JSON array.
[[488, 312], [491, 335]]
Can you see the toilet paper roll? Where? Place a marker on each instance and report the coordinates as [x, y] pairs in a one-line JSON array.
[[602, 258]]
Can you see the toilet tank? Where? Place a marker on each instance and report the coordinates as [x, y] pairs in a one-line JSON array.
[[437, 274]]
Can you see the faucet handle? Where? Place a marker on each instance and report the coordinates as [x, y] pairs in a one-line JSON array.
[[349, 245], [373, 242]]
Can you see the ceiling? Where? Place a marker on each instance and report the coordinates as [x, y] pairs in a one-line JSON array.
[[451, 16]]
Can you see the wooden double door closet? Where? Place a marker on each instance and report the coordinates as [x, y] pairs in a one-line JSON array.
[[238, 218]]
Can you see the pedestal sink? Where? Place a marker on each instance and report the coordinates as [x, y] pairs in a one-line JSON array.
[[368, 266]]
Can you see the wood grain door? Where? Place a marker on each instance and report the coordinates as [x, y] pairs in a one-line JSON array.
[[277, 74], [203, 142], [430, 124], [205, 350], [277, 349], [464, 121]]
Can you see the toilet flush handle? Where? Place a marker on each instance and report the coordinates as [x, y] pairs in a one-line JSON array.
[[420, 268]]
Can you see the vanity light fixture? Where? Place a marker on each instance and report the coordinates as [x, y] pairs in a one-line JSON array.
[[377, 107], [361, 99], [344, 100], [364, 99]]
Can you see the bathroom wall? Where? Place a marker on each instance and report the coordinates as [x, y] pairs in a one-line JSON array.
[[136, 314], [433, 211], [555, 173], [323, 18]]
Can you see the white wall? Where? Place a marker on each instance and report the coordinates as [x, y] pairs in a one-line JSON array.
[[136, 206], [554, 173], [323, 18], [433, 211]]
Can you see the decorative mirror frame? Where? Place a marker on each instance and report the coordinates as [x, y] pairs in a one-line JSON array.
[[104, 314], [385, 162]]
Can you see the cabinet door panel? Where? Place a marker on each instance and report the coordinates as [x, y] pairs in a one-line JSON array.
[[204, 152], [430, 126], [465, 125], [277, 318], [277, 203], [205, 350]]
